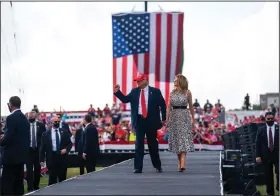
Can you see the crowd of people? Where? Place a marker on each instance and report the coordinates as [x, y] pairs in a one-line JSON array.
[[209, 128]]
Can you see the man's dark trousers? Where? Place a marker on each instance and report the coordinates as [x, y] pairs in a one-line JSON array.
[[145, 127]]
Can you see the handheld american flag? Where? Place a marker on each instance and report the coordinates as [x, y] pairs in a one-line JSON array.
[[150, 43]]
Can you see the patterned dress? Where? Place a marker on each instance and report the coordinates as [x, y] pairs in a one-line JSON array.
[[179, 127]]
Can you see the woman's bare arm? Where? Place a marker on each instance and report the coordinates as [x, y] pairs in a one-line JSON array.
[[168, 110]]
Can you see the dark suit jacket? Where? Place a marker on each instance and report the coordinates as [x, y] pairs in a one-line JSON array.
[[41, 128], [78, 137], [66, 127], [16, 140], [89, 143], [262, 149], [46, 145], [155, 104]]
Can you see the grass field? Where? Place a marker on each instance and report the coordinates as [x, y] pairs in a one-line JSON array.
[[71, 172], [262, 189]]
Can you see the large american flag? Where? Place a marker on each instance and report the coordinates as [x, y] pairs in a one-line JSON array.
[[150, 43]]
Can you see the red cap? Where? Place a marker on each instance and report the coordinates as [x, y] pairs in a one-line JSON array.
[[141, 77]]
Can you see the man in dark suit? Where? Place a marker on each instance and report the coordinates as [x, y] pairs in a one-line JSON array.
[[267, 151], [64, 125], [89, 144], [78, 136], [15, 150], [146, 103], [33, 165], [55, 146]]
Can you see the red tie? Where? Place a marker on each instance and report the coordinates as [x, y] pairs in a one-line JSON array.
[[270, 140], [143, 104]]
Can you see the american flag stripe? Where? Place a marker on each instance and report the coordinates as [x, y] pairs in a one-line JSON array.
[[161, 63]]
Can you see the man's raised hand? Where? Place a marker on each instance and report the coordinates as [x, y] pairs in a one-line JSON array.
[[116, 88]]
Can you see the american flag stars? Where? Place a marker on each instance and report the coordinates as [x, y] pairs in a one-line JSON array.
[[130, 34]]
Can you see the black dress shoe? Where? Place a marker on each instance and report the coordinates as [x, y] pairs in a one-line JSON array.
[[159, 170], [137, 171]]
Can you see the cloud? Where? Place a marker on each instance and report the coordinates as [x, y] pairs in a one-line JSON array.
[[65, 52]]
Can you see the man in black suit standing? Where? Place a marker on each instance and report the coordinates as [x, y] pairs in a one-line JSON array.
[[77, 139], [15, 143], [33, 165], [146, 103], [89, 144], [55, 146], [267, 151]]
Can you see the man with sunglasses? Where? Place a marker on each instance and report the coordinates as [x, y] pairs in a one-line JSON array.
[[267, 151], [55, 146]]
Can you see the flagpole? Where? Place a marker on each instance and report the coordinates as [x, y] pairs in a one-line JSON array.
[[146, 6]]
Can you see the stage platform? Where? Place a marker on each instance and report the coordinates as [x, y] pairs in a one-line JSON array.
[[202, 177]]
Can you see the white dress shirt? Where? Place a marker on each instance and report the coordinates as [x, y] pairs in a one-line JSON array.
[[31, 136], [54, 138], [60, 124], [146, 94], [273, 131]]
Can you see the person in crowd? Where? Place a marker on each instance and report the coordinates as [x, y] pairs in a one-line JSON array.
[[35, 109], [267, 151], [247, 102], [89, 145], [132, 136], [33, 166], [196, 104], [230, 127], [180, 115], [106, 110], [108, 119], [91, 111], [219, 103], [196, 115], [146, 104], [15, 149], [208, 105], [121, 134], [219, 133], [210, 136], [99, 112], [100, 121], [106, 135], [114, 107], [55, 146], [110, 129], [197, 134], [63, 124], [115, 117]]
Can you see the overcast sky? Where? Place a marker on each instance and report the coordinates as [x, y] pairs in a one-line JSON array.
[[63, 51]]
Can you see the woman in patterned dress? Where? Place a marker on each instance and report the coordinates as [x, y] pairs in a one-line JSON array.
[[180, 120]]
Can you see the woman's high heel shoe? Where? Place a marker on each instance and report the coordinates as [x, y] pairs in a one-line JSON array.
[[181, 169]]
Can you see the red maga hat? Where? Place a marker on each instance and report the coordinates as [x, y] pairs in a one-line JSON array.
[[141, 77]]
